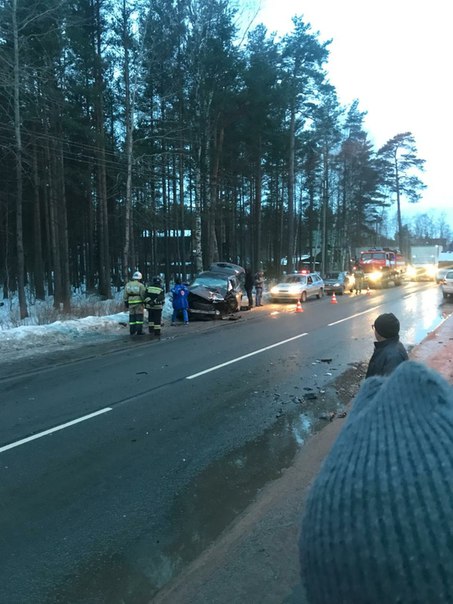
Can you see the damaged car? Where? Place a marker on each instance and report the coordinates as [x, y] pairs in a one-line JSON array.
[[217, 292]]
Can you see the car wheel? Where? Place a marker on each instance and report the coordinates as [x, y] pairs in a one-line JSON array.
[[303, 297], [321, 294]]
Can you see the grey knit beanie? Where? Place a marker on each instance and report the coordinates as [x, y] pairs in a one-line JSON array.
[[378, 526], [387, 325]]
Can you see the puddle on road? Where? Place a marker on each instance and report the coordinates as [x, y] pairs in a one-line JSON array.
[[203, 509], [199, 514]]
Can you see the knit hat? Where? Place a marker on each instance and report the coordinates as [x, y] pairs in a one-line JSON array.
[[378, 526], [387, 325]]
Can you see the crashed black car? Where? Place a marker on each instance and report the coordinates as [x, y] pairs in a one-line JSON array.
[[218, 291]]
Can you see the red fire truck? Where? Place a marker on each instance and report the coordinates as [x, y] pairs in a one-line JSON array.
[[382, 266]]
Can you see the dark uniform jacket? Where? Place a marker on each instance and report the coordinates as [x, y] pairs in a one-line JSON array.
[[154, 297], [387, 355]]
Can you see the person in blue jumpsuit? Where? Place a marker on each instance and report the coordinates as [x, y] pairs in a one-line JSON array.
[[180, 301]]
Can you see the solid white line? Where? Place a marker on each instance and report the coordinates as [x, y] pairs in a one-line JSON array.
[[51, 430], [354, 316], [245, 356]]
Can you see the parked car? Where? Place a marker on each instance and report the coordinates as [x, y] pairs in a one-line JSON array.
[[447, 284], [441, 274], [298, 286], [339, 283], [218, 291]]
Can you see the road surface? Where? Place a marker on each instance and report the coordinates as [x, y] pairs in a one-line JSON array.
[[121, 464]]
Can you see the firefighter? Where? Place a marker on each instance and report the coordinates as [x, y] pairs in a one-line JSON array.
[[154, 302], [134, 296], [359, 278]]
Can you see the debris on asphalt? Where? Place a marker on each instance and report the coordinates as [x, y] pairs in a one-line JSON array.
[[328, 416], [310, 396]]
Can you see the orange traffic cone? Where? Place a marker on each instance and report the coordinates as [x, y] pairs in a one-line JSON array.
[[299, 307], [334, 299]]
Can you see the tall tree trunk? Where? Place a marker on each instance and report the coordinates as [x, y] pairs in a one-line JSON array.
[[257, 209], [398, 208], [19, 171], [213, 246], [48, 237], [197, 251], [37, 244], [54, 226], [103, 226], [129, 122], [165, 209], [182, 213], [290, 242], [325, 201], [128, 204], [63, 227], [90, 226]]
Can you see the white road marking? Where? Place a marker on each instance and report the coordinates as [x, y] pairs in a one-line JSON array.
[[51, 430], [245, 356], [354, 316]]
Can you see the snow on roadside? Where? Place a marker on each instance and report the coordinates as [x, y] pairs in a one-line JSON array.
[[31, 338]]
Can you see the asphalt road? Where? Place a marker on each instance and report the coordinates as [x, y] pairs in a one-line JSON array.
[[120, 466]]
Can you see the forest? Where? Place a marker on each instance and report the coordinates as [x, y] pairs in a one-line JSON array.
[[165, 135]]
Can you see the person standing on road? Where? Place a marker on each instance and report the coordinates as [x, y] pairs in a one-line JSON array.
[[259, 285], [154, 302], [248, 284], [389, 352], [377, 523], [358, 277], [180, 301], [134, 297]]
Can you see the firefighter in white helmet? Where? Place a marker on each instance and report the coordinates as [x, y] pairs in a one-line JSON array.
[[134, 300]]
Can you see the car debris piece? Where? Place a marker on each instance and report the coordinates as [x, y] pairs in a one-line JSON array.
[[310, 396], [328, 415]]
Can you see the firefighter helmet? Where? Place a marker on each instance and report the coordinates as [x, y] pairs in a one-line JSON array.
[[137, 275]]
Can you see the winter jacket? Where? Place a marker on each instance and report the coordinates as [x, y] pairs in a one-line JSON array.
[[259, 280], [134, 294], [154, 297], [248, 281], [387, 355], [180, 297]]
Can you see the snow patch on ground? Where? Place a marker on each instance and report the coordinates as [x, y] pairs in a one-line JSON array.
[[29, 337]]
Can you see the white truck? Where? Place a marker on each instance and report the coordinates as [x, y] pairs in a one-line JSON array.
[[424, 262]]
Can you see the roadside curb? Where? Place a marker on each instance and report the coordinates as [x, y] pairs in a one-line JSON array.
[[436, 350]]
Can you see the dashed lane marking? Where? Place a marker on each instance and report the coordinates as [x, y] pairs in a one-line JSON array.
[[55, 429], [245, 356]]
